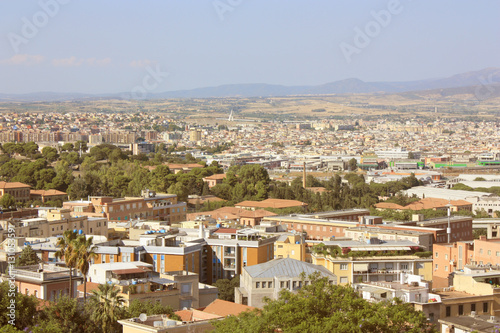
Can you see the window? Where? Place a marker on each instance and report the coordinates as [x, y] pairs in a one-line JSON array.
[[481, 251], [473, 307], [485, 307], [489, 252], [343, 279], [405, 266], [36, 293], [27, 291], [343, 267], [446, 268], [498, 254], [282, 284], [460, 310], [436, 254], [448, 311], [446, 256], [257, 284]]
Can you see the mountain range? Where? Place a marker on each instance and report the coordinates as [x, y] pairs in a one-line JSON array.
[[484, 77]]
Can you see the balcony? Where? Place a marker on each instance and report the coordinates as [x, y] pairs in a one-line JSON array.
[[229, 254], [382, 271]]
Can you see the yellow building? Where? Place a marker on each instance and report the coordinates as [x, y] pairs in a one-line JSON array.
[[290, 246], [373, 263]]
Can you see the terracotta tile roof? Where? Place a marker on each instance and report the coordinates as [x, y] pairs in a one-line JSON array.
[[216, 176], [90, 287], [225, 308], [186, 315], [13, 185], [433, 203], [48, 192], [272, 203], [388, 205]]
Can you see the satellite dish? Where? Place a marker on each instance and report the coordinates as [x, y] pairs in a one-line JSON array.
[[143, 317]]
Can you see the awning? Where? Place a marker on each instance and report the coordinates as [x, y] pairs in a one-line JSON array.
[[360, 267], [374, 290], [128, 271]]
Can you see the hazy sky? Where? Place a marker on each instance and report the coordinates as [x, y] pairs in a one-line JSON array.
[[120, 45]]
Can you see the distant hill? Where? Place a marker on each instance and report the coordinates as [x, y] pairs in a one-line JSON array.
[[469, 81]]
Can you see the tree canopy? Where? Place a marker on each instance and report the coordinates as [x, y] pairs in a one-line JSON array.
[[322, 307]]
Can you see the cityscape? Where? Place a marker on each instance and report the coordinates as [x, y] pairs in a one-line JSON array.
[[137, 196]]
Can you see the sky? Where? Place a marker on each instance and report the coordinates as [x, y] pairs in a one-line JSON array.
[[114, 46]]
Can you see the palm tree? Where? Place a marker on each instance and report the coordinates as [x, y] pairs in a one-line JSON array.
[[66, 249], [83, 254], [107, 307]]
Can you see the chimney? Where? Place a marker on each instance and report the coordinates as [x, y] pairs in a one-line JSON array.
[[304, 176]]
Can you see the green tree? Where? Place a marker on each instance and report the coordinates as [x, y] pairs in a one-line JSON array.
[[353, 164], [66, 245], [65, 316], [226, 288], [27, 257], [25, 307], [7, 201], [137, 307], [107, 307], [323, 307], [82, 254], [50, 153]]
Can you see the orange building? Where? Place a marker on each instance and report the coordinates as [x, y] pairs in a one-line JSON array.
[[486, 251], [20, 191], [44, 196], [229, 250], [448, 258]]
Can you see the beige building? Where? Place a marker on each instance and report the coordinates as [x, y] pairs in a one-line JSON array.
[[150, 206], [268, 279], [137, 280], [56, 223]]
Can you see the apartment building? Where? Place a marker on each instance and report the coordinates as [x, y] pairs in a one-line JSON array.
[[230, 250], [290, 246], [474, 293], [137, 281], [314, 228], [20, 191], [266, 280], [450, 258], [489, 204], [48, 195], [361, 262], [56, 222], [46, 282], [460, 228], [150, 206], [364, 233]]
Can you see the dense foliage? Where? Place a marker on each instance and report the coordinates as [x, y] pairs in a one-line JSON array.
[[98, 315], [322, 307]]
